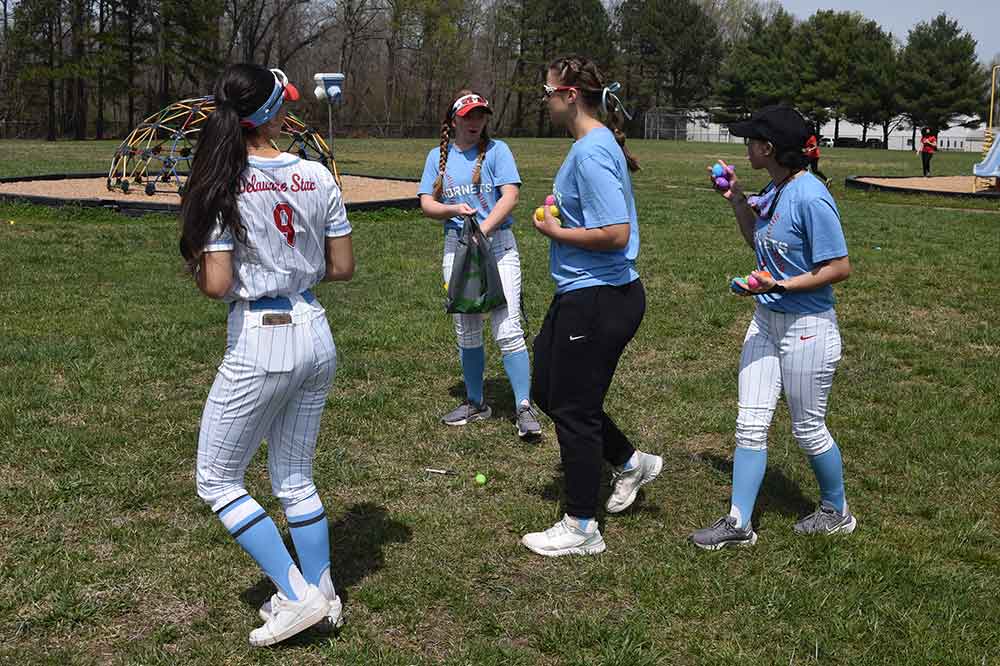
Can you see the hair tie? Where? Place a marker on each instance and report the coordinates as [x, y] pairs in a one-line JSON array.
[[609, 91]]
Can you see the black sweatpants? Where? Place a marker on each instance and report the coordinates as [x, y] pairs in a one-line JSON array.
[[926, 159], [575, 355]]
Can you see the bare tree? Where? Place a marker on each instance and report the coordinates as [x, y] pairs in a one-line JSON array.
[[292, 38], [79, 35], [357, 20]]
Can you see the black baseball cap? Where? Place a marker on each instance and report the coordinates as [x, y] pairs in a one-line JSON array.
[[780, 124]]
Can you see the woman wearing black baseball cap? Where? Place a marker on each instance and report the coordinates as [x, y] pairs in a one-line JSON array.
[[793, 342]]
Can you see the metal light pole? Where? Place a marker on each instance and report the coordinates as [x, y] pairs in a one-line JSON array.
[[329, 86]]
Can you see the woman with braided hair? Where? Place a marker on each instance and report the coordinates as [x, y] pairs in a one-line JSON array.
[[598, 306], [472, 174]]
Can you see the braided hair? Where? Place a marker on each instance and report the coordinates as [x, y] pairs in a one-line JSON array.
[[446, 127], [582, 73]]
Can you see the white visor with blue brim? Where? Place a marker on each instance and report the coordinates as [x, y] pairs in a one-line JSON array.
[[283, 90]]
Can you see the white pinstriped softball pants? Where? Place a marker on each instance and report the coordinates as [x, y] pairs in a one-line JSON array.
[[505, 321], [795, 352], [272, 384]]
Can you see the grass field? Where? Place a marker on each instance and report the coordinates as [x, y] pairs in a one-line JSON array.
[[107, 352]]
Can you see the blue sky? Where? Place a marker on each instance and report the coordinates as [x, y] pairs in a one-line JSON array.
[[981, 18]]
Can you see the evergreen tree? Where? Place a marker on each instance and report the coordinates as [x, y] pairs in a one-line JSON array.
[[940, 77]]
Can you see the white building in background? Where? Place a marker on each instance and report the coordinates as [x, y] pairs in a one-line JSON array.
[[961, 139], [696, 126]]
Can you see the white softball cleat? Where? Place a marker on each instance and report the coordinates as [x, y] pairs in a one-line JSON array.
[[287, 617], [334, 618]]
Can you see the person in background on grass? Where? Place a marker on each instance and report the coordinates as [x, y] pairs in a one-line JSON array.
[[928, 146], [260, 228], [598, 306], [812, 154], [793, 341], [472, 174]]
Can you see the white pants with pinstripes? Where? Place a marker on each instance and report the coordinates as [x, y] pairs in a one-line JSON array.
[[506, 321], [272, 384], [795, 352]]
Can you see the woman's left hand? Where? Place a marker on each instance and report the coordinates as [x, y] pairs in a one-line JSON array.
[[764, 282], [548, 224]]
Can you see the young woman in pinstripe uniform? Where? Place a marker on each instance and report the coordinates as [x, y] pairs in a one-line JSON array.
[[260, 229], [793, 341], [471, 174]]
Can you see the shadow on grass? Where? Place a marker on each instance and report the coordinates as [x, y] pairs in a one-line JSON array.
[[777, 493], [357, 541]]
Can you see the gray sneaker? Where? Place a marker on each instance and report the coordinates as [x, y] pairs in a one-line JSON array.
[[528, 426], [723, 533], [826, 520], [467, 413]]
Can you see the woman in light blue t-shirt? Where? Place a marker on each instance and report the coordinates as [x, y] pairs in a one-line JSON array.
[[598, 306], [472, 174]]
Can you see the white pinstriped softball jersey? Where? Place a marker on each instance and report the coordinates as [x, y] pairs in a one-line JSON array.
[[282, 201], [274, 378]]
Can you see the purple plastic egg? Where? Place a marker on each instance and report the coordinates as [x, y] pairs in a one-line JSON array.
[[722, 183]]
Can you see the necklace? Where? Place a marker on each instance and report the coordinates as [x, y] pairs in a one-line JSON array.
[[778, 189]]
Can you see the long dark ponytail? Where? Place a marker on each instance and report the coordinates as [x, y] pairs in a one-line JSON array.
[[220, 158]]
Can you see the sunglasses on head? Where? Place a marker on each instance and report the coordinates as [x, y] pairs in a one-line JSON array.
[[551, 90]]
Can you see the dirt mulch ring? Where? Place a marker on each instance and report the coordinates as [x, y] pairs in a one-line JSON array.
[[360, 192], [954, 185]]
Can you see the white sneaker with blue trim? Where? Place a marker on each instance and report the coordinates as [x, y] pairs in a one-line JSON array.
[[570, 536], [288, 617]]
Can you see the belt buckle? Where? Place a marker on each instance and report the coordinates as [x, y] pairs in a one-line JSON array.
[[276, 319]]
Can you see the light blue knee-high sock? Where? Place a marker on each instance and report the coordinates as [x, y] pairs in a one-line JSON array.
[[518, 370], [473, 368], [256, 532], [311, 534], [749, 466], [829, 470]]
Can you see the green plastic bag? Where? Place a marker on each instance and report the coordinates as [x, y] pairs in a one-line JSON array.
[[474, 285]]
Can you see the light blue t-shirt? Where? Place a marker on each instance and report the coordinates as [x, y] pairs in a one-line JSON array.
[[593, 189], [498, 169], [803, 232]]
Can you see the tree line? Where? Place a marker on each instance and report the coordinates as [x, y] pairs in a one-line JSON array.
[[94, 68]]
